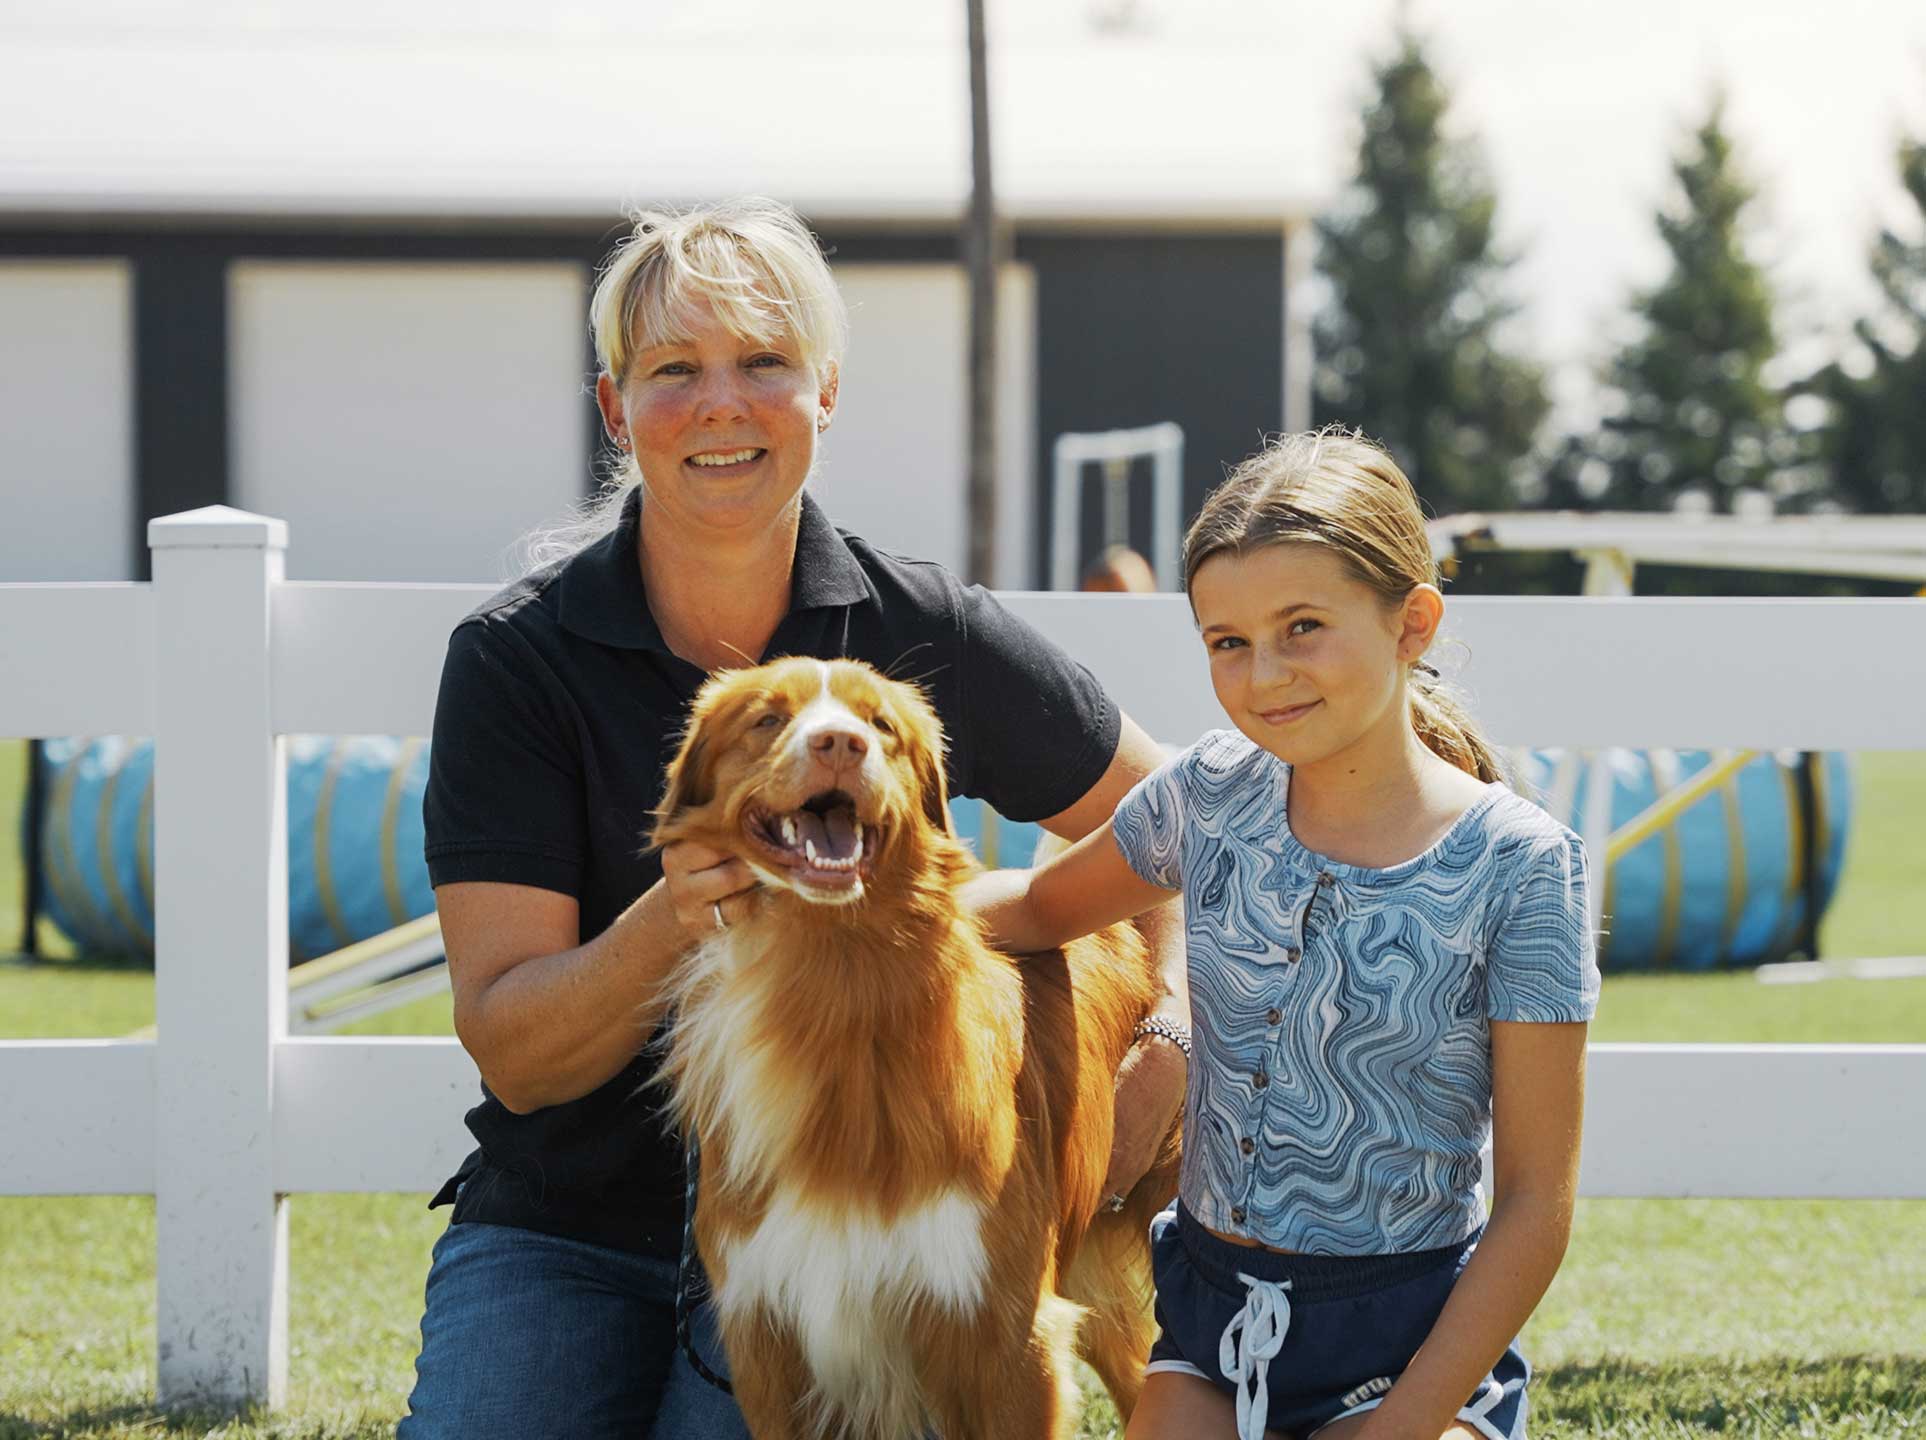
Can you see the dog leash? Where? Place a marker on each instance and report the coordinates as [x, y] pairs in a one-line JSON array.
[[686, 1270]]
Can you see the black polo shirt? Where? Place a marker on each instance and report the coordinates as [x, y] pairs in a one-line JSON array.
[[560, 705]]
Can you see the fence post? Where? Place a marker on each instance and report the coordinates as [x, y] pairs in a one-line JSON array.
[[221, 934]]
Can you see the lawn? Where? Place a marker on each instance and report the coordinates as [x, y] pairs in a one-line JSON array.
[[1671, 1318]]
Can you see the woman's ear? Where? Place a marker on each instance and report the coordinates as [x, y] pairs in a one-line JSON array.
[[826, 395], [1418, 619], [608, 399]]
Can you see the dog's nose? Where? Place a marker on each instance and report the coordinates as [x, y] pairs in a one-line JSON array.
[[838, 746]]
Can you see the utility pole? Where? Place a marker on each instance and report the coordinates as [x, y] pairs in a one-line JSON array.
[[983, 245]]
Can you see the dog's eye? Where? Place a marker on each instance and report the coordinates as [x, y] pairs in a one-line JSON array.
[[773, 717], [881, 722]]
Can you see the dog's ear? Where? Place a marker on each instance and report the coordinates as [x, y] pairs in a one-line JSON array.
[[688, 783], [925, 737]]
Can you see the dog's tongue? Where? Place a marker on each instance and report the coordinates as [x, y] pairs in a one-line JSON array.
[[833, 834]]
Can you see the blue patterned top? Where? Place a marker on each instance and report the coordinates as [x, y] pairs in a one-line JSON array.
[[1340, 1092]]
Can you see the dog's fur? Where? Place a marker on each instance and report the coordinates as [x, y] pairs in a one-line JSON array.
[[903, 1133]]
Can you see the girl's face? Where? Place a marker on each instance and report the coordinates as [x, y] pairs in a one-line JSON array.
[[723, 428], [1305, 658]]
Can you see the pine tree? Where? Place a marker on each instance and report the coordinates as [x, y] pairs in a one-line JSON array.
[[1872, 444], [1689, 408], [1410, 348]]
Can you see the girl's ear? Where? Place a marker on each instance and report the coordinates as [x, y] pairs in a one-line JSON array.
[[1418, 621]]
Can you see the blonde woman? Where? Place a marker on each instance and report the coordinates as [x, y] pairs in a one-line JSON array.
[[1390, 962], [551, 1300]]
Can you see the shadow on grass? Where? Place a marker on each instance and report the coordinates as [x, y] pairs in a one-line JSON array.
[[113, 1422], [1709, 1395], [90, 964]]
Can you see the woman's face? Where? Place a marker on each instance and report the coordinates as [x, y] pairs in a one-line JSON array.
[[1305, 658], [723, 428]]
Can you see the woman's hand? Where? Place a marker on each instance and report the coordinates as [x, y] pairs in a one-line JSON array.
[[1150, 1092], [703, 884]]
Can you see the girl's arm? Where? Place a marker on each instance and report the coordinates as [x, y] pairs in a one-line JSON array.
[[1087, 887], [1537, 1105]]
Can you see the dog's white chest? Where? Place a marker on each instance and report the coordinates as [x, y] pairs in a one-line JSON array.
[[843, 1281]]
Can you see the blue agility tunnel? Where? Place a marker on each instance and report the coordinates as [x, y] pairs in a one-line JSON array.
[[1723, 882], [355, 866]]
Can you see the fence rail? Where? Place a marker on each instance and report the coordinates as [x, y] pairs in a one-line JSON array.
[[223, 1114]]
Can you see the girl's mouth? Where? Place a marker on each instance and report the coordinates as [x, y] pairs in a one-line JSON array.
[[1288, 714]]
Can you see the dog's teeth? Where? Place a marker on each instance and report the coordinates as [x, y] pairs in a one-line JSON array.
[[789, 830], [809, 851]]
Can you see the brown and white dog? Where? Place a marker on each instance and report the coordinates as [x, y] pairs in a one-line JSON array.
[[903, 1132]]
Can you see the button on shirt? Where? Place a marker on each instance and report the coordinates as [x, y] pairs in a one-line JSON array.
[[1340, 1015]]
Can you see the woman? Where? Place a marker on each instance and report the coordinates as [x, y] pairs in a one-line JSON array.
[[550, 1304]]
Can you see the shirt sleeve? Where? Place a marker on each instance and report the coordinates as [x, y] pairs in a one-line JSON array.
[[504, 800], [1038, 729], [1543, 962], [1149, 823]]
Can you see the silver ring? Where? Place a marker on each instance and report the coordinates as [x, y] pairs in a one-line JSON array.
[[721, 924], [1113, 1203]]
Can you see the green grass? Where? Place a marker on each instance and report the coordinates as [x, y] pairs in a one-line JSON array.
[[1670, 1318], [1880, 908]]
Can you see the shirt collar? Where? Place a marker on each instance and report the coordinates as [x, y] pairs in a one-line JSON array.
[[602, 596]]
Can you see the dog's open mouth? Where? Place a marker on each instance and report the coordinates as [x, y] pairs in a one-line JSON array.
[[822, 844]]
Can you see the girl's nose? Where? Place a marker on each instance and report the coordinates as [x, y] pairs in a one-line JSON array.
[[1270, 668]]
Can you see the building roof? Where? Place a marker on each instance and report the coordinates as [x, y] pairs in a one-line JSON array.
[[492, 110]]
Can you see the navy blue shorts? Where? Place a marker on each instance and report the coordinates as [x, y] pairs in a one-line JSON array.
[[1303, 1340]]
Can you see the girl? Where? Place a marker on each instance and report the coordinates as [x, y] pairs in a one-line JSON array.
[[1389, 963]]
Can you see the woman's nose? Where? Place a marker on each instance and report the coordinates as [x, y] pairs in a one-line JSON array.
[[721, 394]]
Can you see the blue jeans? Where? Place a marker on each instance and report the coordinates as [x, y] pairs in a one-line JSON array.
[[529, 1335]]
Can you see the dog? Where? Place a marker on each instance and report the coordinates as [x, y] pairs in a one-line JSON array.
[[903, 1133]]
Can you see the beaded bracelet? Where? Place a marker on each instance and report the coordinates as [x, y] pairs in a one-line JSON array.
[[1171, 1030]]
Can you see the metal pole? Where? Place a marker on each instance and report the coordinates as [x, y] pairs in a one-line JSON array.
[[982, 252]]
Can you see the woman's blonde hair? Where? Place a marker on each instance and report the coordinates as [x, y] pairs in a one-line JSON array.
[[751, 261], [1334, 488]]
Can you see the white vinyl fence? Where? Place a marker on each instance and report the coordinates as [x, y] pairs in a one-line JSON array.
[[224, 1114]]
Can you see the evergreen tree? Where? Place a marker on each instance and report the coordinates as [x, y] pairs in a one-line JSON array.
[[1872, 444], [1688, 405], [1409, 349]]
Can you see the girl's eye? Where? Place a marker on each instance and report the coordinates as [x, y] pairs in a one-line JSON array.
[[1227, 642], [1304, 627]]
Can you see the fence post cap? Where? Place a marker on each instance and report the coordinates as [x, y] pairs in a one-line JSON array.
[[217, 527]]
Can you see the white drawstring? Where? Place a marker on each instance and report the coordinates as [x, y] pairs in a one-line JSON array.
[[1265, 1320]]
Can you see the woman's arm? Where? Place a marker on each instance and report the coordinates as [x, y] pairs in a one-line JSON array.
[[1538, 1104], [548, 1018]]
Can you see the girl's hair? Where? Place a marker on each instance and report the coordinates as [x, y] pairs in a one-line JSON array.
[[752, 261], [1334, 488]]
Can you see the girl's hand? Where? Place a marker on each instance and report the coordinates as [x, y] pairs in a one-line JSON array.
[[1150, 1092], [704, 883]]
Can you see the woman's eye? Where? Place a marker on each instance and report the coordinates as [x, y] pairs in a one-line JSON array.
[[768, 361], [1227, 642], [676, 367], [1304, 627]]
